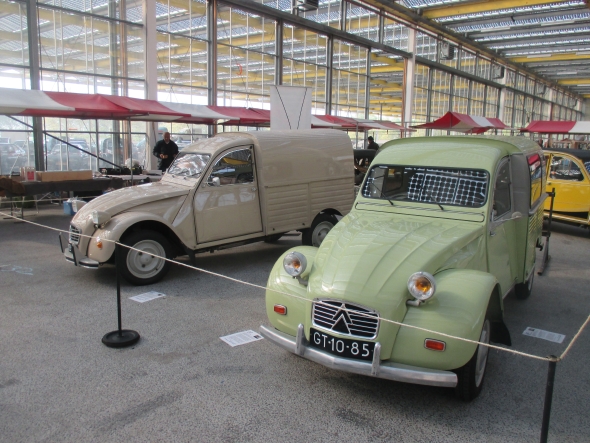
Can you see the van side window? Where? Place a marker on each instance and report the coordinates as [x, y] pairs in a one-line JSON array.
[[536, 171], [502, 199], [234, 168], [563, 168]]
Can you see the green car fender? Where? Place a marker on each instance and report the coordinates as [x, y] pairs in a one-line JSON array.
[[297, 302], [458, 308]]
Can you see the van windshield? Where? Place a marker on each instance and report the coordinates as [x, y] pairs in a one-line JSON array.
[[189, 164], [458, 187]]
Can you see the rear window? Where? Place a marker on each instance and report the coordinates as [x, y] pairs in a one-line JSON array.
[[458, 187], [536, 170]]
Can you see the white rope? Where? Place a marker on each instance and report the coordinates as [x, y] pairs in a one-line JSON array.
[[523, 354]]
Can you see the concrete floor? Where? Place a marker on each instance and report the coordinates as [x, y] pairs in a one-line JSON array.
[[182, 383]]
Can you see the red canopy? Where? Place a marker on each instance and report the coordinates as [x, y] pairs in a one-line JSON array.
[[455, 121], [558, 127], [243, 116]]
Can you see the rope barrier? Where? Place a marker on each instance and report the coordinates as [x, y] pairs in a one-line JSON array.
[[216, 274]]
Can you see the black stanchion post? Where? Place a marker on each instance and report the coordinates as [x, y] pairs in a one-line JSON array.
[[120, 338], [548, 398]]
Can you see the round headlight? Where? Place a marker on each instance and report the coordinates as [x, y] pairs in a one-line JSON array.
[[421, 285], [295, 263]]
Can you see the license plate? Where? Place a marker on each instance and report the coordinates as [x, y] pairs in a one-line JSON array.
[[342, 347]]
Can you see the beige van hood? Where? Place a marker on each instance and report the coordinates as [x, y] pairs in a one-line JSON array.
[[124, 199]]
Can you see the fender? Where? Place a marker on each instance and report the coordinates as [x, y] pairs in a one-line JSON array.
[[458, 308], [114, 229], [280, 281]]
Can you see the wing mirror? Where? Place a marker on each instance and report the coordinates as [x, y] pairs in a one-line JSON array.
[[516, 215], [214, 181]]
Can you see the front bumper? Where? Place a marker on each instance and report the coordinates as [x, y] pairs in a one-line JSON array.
[[73, 255], [387, 370]]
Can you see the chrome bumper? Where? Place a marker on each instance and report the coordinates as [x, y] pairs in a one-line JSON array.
[[390, 371]]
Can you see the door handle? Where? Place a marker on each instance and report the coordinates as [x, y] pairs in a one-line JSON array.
[[253, 188], [492, 233]]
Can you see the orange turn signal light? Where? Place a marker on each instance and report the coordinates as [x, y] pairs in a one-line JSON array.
[[98, 243], [435, 345], [280, 309]]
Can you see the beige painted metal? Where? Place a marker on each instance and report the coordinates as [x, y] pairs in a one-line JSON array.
[[297, 175]]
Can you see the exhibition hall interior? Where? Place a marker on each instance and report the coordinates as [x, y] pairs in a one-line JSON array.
[[294, 220]]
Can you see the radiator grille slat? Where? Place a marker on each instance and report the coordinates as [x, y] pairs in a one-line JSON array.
[[346, 318]]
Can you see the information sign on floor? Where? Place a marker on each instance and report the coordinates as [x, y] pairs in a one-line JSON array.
[[545, 335], [241, 338], [147, 296]]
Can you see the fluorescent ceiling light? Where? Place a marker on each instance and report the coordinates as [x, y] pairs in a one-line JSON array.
[[539, 55], [499, 28], [567, 73], [583, 53], [558, 22]]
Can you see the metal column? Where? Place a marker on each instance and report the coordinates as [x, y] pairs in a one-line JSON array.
[[35, 74]]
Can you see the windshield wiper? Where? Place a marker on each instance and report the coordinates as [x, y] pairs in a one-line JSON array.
[[381, 193], [432, 199]]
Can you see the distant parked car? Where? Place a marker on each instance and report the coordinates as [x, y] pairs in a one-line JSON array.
[[568, 172], [11, 158]]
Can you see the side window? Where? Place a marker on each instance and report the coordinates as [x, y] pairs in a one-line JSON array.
[[233, 168], [502, 202], [536, 171], [563, 168]]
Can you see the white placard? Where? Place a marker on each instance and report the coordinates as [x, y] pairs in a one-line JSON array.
[[545, 335], [290, 107], [147, 296], [241, 338]]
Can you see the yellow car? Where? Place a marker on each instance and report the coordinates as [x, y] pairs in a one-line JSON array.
[[568, 172]]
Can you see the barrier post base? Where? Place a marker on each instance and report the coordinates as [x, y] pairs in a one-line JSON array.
[[120, 339]]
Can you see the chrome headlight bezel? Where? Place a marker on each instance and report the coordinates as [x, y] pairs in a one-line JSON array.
[[295, 264], [422, 286]]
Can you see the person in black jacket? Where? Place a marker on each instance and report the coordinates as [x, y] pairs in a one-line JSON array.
[[165, 150], [372, 144]]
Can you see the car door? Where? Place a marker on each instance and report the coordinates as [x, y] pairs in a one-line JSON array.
[[227, 203], [569, 177], [502, 248]]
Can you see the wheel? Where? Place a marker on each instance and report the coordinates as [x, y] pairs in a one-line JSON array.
[[320, 227], [470, 377], [272, 238], [143, 267], [523, 290]]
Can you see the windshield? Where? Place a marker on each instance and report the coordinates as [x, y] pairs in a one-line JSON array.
[[189, 164], [458, 187]]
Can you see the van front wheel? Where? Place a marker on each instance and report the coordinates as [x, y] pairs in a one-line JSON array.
[[142, 265], [320, 227]]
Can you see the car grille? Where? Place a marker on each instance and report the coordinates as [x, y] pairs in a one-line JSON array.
[[345, 318], [74, 235]]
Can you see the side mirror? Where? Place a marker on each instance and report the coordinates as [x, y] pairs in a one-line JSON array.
[[516, 215], [214, 181]]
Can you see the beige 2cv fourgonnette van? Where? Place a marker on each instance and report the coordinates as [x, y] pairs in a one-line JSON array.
[[225, 191]]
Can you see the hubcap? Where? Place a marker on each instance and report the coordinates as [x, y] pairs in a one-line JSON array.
[[320, 232], [482, 353], [145, 262]]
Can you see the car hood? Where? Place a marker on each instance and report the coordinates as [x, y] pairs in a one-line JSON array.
[[124, 199], [368, 258]]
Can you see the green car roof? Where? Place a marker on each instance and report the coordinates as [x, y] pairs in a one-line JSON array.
[[475, 152]]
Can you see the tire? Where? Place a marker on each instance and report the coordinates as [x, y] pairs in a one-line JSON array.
[[471, 376], [522, 291], [320, 227], [142, 268], [272, 238]]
